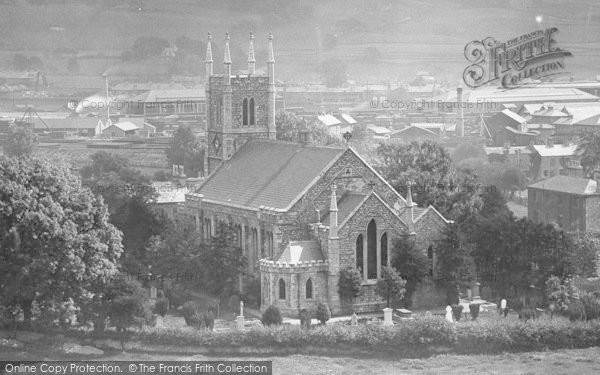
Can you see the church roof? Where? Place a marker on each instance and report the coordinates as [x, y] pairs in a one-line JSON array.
[[346, 206], [267, 173], [301, 251]]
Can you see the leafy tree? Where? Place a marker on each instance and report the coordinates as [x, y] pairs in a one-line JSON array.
[[583, 254], [391, 285], [20, 142], [511, 254], [412, 263], [427, 166], [289, 126], [349, 283], [129, 195], [589, 147], [454, 264], [215, 265], [55, 239], [125, 305], [147, 47], [185, 149], [512, 179], [333, 72]]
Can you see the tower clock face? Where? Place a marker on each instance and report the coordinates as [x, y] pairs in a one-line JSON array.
[[216, 143]]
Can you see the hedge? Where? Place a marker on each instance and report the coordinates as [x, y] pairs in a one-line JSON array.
[[422, 336]]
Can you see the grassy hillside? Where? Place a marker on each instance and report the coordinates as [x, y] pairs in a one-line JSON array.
[[411, 35]]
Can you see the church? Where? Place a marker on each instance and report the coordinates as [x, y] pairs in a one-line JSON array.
[[301, 213]]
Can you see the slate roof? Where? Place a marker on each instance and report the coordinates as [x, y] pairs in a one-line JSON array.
[[301, 251], [567, 184], [267, 173], [346, 205], [594, 120]]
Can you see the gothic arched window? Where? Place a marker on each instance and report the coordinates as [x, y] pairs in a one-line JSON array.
[[384, 250], [372, 250], [309, 294], [245, 111], [359, 253], [281, 289], [251, 112]]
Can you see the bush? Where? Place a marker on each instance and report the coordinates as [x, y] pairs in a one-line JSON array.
[[474, 310], [190, 310], [323, 313], [177, 295], [123, 312], [209, 320], [161, 307], [591, 305], [527, 314], [271, 316], [457, 311]]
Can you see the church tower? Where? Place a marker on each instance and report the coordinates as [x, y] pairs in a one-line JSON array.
[[240, 106]]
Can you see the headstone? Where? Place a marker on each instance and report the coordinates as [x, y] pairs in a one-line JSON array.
[[469, 293], [449, 314], [153, 292], [354, 319], [387, 316], [476, 291], [240, 322], [241, 308], [503, 304]]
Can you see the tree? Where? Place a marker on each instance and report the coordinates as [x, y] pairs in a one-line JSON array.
[[20, 142], [55, 239], [589, 148], [289, 126], [185, 149], [412, 263], [391, 285], [333, 72], [214, 265], [467, 151], [427, 166], [349, 283], [454, 264], [129, 195]]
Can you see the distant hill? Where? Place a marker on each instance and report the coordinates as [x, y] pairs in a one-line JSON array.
[[410, 35]]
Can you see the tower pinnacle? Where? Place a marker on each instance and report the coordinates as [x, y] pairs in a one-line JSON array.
[[251, 59]]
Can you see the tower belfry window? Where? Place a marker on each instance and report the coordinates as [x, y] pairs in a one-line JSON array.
[[251, 111], [245, 111]]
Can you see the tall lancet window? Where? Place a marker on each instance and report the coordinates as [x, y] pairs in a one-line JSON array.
[[372, 250], [251, 111], [245, 111], [220, 111], [359, 253]]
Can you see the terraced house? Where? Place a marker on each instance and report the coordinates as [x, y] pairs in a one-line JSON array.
[[301, 212]]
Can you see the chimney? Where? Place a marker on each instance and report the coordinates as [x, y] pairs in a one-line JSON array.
[[549, 142]]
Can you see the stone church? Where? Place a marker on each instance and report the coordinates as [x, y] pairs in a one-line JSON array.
[[301, 212]]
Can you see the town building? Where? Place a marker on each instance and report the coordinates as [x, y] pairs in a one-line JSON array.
[[300, 213], [549, 160], [571, 203]]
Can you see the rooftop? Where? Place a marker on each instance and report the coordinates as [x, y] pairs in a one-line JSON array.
[[301, 251], [267, 173], [567, 184], [555, 150]]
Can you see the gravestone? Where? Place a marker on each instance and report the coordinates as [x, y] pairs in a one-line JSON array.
[[240, 319], [449, 317], [354, 319], [153, 292], [387, 317]]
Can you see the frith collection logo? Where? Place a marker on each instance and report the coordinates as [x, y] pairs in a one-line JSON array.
[[528, 57]]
